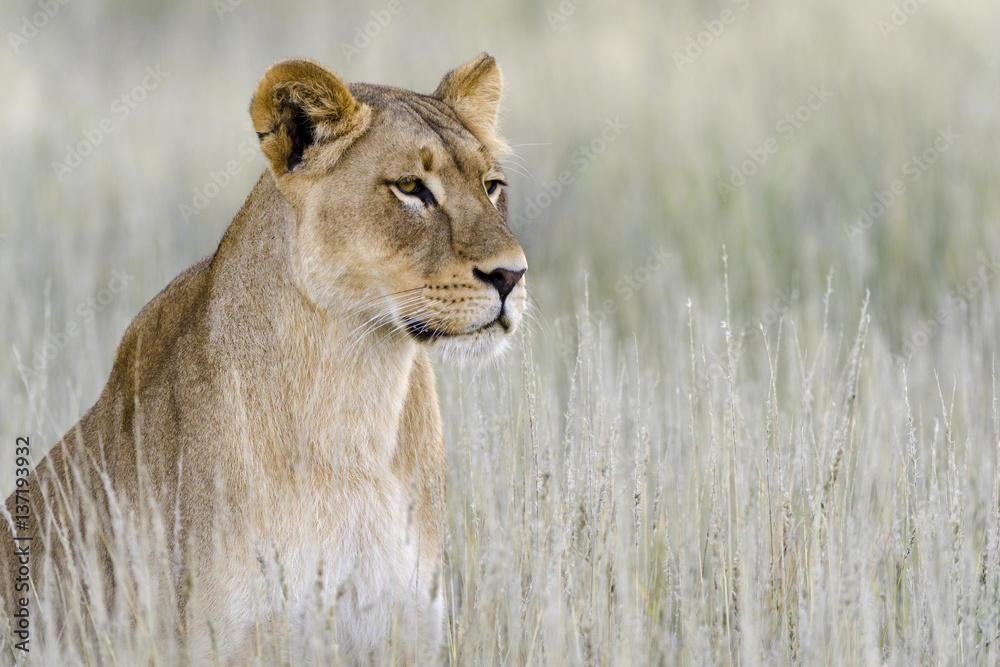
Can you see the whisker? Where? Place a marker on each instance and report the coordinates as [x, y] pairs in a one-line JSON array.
[[408, 307], [520, 172], [513, 156], [515, 166], [403, 302], [386, 296], [371, 326], [360, 332]]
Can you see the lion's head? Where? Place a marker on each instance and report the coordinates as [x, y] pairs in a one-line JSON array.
[[399, 200]]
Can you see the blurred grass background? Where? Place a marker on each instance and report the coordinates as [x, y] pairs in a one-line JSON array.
[[569, 70], [685, 128]]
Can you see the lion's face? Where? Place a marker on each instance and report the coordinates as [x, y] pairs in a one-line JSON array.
[[402, 217]]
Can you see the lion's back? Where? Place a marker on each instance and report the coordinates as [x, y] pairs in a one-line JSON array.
[[67, 492]]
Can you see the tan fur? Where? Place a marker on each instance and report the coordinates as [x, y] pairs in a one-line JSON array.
[[270, 434], [474, 91]]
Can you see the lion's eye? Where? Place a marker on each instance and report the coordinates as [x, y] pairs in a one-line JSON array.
[[416, 188], [492, 185], [412, 186]]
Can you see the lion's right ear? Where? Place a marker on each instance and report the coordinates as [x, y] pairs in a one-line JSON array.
[[299, 104]]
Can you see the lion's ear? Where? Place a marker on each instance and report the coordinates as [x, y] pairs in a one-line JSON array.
[[474, 91], [299, 103]]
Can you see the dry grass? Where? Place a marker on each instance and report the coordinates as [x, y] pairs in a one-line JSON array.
[[815, 481]]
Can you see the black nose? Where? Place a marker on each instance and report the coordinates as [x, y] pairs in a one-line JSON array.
[[503, 279]]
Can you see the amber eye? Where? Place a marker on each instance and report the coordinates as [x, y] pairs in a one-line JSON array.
[[416, 188], [492, 185], [411, 186]]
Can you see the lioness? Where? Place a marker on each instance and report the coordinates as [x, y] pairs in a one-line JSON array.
[[268, 449]]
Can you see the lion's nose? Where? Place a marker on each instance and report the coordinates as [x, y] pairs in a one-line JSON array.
[[502, 279]]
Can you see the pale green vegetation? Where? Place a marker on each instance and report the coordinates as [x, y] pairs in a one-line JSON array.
[[647, 485]]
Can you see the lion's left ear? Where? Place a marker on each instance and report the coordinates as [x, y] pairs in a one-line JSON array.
[[474, 91]]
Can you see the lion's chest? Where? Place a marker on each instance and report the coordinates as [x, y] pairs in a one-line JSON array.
[[354, 550], [333, 532]]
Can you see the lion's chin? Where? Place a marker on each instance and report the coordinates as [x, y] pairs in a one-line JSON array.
[[476, 348]]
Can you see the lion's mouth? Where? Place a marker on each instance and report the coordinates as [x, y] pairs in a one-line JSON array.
[[426, 333], [422, 331]]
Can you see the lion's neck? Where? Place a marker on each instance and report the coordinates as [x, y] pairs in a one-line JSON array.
[[314, 390]]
